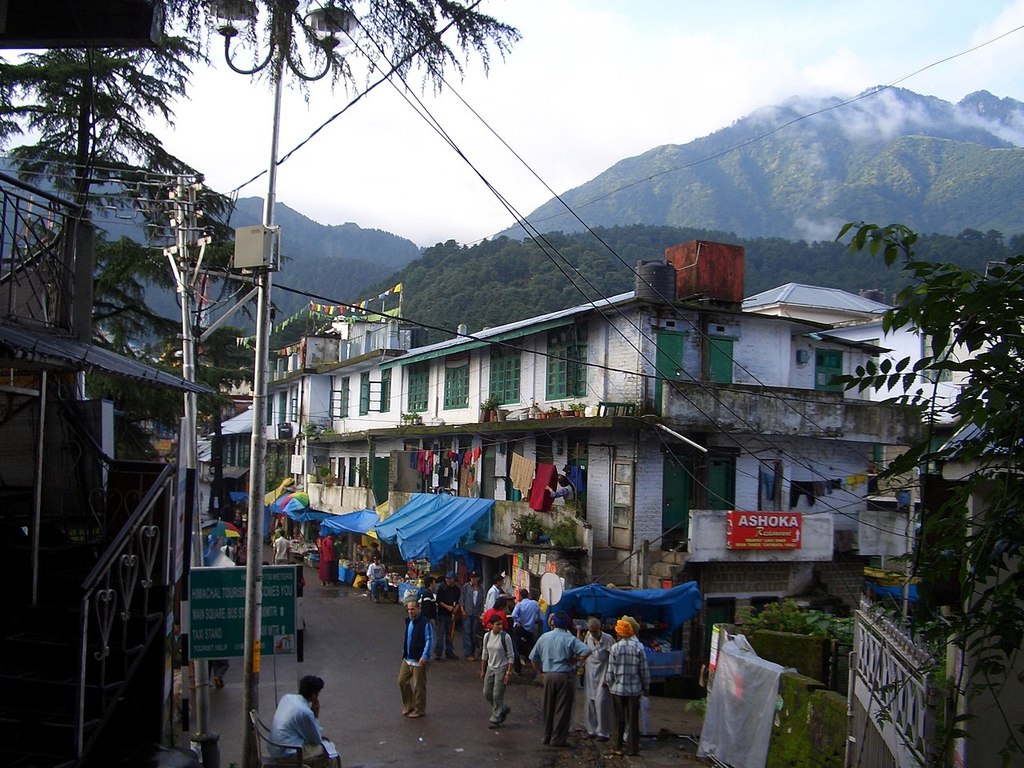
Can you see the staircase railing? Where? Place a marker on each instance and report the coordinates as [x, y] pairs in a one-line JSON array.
[[116, 599], [36, 273]]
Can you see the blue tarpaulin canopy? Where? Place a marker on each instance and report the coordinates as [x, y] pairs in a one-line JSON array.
[[360, 521], [669, 606], [893, 593], [430, 525]]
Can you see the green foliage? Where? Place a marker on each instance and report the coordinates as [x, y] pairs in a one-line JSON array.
[[563, 532], [945, 172], [521, 280], [526, 523], [973, 536], [788, 616]]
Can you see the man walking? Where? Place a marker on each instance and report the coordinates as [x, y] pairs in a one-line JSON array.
[[526, 618], [496, 668], [447, 598], [598, 720], [472, 602], [555, 656], [412, 677], [627, 679]]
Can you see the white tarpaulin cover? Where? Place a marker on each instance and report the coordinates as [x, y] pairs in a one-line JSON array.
[[741, 706]]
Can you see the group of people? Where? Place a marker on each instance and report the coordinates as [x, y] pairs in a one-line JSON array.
[[616, 673]]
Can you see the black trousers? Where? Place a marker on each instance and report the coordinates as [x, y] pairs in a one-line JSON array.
[[626, 714], [559, 691], [523, 642]]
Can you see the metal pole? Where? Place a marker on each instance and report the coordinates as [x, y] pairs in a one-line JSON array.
[[181, 269], [258, 454]]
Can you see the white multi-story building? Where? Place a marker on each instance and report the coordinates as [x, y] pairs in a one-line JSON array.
[[711, 443]]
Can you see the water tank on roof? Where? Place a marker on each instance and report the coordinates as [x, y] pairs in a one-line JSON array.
[[655, 281]]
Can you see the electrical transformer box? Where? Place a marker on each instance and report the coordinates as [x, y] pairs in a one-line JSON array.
[[257, 247]]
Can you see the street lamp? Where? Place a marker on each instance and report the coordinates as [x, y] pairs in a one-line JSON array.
[[319, 28]]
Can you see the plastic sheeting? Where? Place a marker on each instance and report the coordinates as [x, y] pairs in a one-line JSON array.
[[430, 525], [663, 606], [360, 521], [741, 706]]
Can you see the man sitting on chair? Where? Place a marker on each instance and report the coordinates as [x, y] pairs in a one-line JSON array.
[[295, 724]]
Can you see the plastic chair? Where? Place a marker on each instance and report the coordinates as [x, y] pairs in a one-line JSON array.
[[262, 734]]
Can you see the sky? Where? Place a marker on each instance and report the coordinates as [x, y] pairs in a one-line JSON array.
[[590, 83]]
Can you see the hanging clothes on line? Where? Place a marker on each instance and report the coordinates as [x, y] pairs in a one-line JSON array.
[[521, 473]]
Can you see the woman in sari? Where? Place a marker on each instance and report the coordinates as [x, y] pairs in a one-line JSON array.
[[328, 561]]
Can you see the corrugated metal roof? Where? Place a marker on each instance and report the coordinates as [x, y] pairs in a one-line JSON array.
[[504, 332], [47, 349], [802, 295], [238, 425]]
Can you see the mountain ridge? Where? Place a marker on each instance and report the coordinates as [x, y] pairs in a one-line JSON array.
[[799, 169]]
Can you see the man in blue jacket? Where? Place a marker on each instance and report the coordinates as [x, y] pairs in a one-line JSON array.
[[412, 677]]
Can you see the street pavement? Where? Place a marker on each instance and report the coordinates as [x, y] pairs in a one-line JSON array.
[[355, 646]]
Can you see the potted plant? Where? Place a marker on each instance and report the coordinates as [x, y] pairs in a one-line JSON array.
[[527, 527], [488, 409]]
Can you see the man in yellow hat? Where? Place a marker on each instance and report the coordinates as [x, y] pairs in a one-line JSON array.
[[627, 678]]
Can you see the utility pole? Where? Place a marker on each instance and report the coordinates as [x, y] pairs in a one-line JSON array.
[[185, 225]]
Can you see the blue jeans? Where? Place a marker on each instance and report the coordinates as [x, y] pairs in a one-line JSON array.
[[443, 645], [470, 627], [378, 589]]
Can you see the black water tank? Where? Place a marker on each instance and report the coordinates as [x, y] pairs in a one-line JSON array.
[[655, 281]]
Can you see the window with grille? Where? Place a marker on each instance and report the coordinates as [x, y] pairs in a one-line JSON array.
[[456, 383], [418, 381], [339, 400], [506, 369], [567, 364]]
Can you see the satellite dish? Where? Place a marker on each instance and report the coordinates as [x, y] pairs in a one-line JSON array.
[[551, 588]]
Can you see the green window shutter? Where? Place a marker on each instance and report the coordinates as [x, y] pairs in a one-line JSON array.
[[456, 387], [385, 390], [828, 363], [364, 393], [417, 396], [566, 364], [506, 372]]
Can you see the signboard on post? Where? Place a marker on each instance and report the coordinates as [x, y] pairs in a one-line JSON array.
[[763, 530], [217, 612]]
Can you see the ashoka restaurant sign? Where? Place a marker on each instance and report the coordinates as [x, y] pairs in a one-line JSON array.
[[763, 530]]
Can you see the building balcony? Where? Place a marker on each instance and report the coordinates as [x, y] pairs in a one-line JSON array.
[[740, 408]]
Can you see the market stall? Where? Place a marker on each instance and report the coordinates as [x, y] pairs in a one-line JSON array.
[[660, 612]]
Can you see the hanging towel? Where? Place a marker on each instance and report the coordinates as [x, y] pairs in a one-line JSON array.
[[540, 496], [521, 473]]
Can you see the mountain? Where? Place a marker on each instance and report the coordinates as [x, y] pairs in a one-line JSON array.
[[801, 169]]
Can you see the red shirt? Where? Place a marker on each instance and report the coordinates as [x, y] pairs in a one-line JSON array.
[[486, 622]]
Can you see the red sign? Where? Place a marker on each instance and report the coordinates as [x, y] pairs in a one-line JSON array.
[[763, 530]]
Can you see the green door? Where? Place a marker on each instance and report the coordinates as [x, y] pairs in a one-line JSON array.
[[720, 360], [668, 362], [677, 482], [721, 483], [379, 481], [718, 610]]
